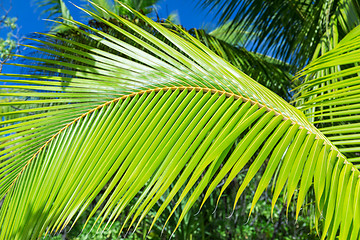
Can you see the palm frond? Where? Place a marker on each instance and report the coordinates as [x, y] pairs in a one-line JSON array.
[[261, 68], [170, 119], [236, 38], [54, 9], [275, 22], [329, 95]]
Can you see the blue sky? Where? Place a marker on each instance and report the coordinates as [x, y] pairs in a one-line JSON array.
[[190, 14]]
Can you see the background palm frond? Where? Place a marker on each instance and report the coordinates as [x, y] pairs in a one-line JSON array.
[[273, 23], [329, 95], [54, 9]]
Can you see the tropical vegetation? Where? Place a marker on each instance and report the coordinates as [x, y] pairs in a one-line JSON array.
[[127, 122], [10, 38]]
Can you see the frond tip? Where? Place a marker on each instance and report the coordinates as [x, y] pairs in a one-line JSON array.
[[329, 95]]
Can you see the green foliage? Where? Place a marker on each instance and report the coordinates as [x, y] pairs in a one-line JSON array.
[[145, 6], [54, 9], [209, 223], [8, 44], [292, 31], [329, 95], [261, 68]]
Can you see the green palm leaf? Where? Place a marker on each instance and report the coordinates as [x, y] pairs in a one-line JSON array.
[[329, 96], [52, 9], [170, 119], [259, 67], [273, 23]]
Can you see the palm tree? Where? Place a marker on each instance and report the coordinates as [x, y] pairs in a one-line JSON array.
[[132, 126]]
